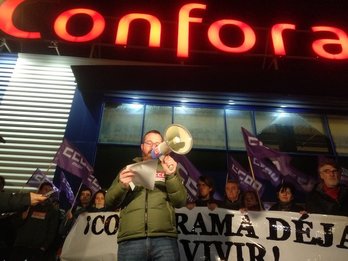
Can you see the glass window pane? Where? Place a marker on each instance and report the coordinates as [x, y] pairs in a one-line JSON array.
[[338, 126], [206, 126], [292, 132], [157, 117], [122, 123], [236, 119]]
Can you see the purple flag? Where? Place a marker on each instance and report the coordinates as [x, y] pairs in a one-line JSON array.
[[38, 178], [246, 181], [274, 165], [260, 167], [91, 182], [189, 173], [72, 161], [344, 176], [65, 187]]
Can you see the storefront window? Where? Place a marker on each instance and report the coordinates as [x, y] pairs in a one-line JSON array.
[[338, 127], [157, 117], [206, 126], [287, 132], [236, 119], [292, 132], [122, 123]]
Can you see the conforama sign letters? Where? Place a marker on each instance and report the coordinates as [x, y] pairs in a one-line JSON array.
[[190, 16]]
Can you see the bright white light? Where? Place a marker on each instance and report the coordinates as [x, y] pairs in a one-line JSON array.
[[282, 114], [135, 106], [231, 102], [181, 109]]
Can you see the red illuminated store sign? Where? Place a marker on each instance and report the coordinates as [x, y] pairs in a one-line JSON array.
[[321, 47]]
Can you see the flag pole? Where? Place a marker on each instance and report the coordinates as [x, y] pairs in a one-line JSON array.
[[42, 181], [253, 175], [77, 193], [72, 205], [21, 190], [49, 167]]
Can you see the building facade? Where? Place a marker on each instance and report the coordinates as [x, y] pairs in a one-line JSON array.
[[226, 71]]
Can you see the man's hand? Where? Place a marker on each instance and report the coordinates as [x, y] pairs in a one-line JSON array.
[[68, 215], [126, 177], [36, 198], [169, 165]]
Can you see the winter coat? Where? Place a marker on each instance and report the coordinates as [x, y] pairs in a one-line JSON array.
[[148, 213], [319, 202], [228, 204], [39, 228], [291, 206]]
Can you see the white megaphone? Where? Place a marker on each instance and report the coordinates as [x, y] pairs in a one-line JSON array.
[[177, 139]]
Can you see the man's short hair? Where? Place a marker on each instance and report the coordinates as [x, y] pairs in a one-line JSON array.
[[209, 182], [330, 162], [84, 188], [152, 131], [233, 181]]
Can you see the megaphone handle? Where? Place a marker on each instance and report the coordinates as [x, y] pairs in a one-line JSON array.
[[170, 167]]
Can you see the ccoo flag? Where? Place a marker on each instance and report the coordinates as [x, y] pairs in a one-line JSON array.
[[275, 165], [258, 153], [37, 178], [344, 176], [91, 182], [71, 160], [189, 173], [246, 181], [65, 187]]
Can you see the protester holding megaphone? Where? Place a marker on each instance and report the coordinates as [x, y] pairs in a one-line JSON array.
[[177, 139], [147, 228]]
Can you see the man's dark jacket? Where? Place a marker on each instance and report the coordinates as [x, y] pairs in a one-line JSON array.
[[321, 203]]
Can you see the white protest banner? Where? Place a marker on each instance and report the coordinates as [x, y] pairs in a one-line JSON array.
[[92, 238], [223, 235], [260, 236]]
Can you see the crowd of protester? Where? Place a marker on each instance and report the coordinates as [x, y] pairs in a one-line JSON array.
[[36, 230], [329, 196]]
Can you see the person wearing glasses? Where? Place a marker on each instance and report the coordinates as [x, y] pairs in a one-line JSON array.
[[147, 228], [329, 196]]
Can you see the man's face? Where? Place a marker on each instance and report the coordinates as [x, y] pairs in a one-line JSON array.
[[250, 200], [85, 197], [151, 141], [232, 191], [330, 175], [203, 190]]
